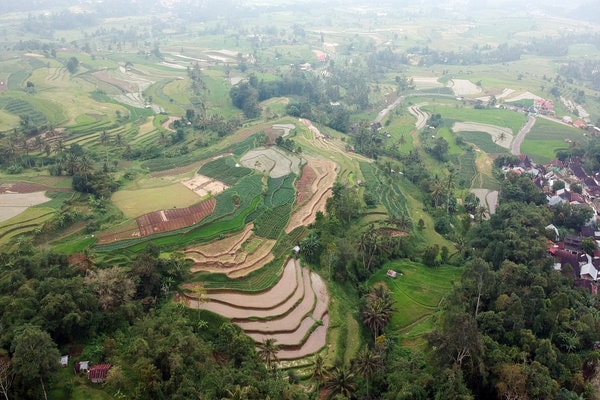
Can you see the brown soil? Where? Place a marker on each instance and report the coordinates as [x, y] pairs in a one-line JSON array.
[[392, 232], [27, 187], [304, 184], [317, 194], [168, 220]]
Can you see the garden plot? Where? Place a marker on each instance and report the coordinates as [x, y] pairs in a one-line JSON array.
[[313, 188], [171, 219], [204, 186], [272, 161], [463, 87], [501, 136]]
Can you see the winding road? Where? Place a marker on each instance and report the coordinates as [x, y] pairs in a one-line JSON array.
[[515, 147]]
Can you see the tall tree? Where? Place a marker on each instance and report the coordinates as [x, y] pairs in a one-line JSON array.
[[6, 376], [267, 351], [35, 355], [366, 364], [378, 309], [341, 381]]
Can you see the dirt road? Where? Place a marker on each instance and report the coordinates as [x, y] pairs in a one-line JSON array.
[[516, 144], [420, 115]]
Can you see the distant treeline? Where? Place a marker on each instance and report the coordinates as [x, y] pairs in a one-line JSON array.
[[388, 59]]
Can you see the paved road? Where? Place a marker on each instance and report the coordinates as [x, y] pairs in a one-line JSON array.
[[515, 148], [389, 108]]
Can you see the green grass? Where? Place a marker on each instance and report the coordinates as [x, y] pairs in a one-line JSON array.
[[452, 110], [418, 293], [546, 137], [483, 140], [75, 246]]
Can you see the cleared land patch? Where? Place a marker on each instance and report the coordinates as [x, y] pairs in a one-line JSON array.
[[501, 136], [272, 161], [203, 185], [463, 87]]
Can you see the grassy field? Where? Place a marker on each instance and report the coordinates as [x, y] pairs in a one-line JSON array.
[[483, 141], [419, 292], [134, 203], [546, 137], [456, 111]]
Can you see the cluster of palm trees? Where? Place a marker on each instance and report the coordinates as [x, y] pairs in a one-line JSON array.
[[342, 380], [339, 380], [378, 308]]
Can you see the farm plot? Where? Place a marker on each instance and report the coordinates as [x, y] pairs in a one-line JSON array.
[[204, 186], [293, 311], [172, 219], [243, 254], [502, 136], [314, 189], [224, 169], [136, 202], [272, 161], [12, 204]]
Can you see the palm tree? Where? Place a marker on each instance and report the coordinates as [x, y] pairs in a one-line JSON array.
[[481, 213], [268, 351], [378, 309], [366, 363], [319, 371], [238, 393], [437, 189], [341, 381]]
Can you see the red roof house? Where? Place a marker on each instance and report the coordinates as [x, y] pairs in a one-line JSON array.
[[98, 373]]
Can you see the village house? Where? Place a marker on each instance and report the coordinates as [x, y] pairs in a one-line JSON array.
[[98, 373]]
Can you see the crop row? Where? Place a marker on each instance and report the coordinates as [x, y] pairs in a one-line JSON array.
[[16, 79], [280, 191], [466, 171], [22, 107], [213, 225], [388, 193], [225, 170], [272, 222]]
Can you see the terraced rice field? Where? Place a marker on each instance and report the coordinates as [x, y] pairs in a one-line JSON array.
[[293, 311], [314, 188], [235, 256]]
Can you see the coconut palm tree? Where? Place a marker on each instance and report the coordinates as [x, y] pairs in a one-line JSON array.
[[267, 351], [437, 189], [341, 381], [319, 371], [367, 363], [378, 309]]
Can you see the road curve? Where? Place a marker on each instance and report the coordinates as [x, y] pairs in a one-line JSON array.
[[515, 148]]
